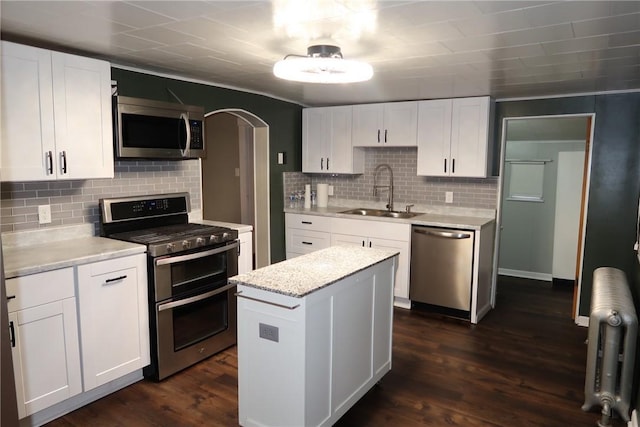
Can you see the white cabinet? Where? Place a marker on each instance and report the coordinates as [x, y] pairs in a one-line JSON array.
[[306, 233], [56, 115], [382, 235], [392, 124], [44, 334], [114, 318], [318, 354], [245, 259], [326, 141], [454, 137]]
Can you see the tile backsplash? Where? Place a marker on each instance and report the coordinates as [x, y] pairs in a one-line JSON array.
[[76, 201], [408, 187]]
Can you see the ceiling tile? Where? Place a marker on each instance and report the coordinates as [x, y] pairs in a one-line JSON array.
[[576, 45], [163, 35], [609, 25], [492, 24], [565, 12], [126, 14]]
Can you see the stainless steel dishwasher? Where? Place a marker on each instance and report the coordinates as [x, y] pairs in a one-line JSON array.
[[441, 267]]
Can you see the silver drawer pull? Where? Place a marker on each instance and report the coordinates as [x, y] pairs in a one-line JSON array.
[[267, 302]]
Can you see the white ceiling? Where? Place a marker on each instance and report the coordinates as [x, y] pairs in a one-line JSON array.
[[418, 49]]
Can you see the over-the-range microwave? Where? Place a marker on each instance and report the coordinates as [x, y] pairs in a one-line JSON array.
[[149, 129]]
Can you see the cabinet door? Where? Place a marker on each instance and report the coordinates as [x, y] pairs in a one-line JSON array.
[[112, 301], [348, 240], [401, 288], [434, 137], [245, 260], [470, 137], [46, 355], [82, 108], [315, 149], [400, 124], [341, 157], [27, 114], [368, 125]]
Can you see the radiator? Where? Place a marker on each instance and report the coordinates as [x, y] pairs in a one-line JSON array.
[[613, 329]]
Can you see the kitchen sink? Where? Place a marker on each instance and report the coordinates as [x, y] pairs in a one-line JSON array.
[[380, 213]]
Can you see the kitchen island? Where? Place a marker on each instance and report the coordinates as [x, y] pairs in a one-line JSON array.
[[314, 335]]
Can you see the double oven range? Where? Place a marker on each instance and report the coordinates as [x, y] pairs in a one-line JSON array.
[[192, 308]]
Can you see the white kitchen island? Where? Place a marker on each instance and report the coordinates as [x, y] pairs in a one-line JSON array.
[[314, 335]]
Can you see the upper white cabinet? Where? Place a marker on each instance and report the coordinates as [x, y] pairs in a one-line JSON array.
[[56, 115], [326, 141], [44, 339], [454, 137], [390, 124], [114, 316]]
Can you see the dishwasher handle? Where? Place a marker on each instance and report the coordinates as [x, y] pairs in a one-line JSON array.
[[446, 234]]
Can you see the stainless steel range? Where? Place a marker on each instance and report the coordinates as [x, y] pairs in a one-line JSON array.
[[192, 310]]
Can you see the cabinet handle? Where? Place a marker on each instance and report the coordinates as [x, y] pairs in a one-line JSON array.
[[327, 163], [115, 279], [307, 222], [63, 157], [321, 163], [385, 136], [363, 243], [49, 157], [10, 297], [378, 135], [266, 302], [445, 165], [12, 333], [453, 165], [369, 244], [307, 243]]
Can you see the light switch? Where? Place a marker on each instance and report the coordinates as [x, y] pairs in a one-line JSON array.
[[44, 214], [448, 197], [282, 158]]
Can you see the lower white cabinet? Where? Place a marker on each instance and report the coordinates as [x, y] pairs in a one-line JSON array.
[[306, 233], [114, 318], [44, 339], [245, 259]]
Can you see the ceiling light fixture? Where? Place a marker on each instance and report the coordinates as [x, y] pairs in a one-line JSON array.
[[323, 64]]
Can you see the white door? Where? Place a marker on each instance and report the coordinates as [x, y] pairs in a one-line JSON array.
[[28, 139], [367, 125], [434, 137], [315, 124], [400, 124], [469, 134], [401, 288], [340, 156], [567, 216]]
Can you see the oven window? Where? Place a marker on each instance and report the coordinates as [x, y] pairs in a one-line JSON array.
[[200, 320], [195, 274]]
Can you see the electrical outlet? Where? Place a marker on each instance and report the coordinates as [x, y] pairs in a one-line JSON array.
[[44, 214], [330, 190], [448, 197], [268, 332]]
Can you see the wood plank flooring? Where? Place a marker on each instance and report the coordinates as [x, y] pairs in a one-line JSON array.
[[523, 365]]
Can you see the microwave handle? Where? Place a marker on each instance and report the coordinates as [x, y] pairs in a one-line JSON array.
[[187, 147]]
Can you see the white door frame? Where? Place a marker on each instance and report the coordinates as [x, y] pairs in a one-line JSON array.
[[262, 200], [580, 320]]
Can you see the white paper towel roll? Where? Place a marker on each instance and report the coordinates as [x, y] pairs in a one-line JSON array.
[[322, 195], [307, 196]]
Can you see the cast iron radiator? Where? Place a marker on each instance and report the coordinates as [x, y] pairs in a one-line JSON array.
[[613, 329]]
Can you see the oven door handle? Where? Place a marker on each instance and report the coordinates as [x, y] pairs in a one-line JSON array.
[[191, 300], [189, 257]]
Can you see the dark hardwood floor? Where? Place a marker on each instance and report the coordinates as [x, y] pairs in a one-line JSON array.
[[522, 365]]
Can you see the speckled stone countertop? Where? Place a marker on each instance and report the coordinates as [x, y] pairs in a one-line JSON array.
[[33, 253], [433, 219], [302, 275]]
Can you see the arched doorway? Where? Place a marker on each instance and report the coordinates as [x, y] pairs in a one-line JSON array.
[[238, 145]]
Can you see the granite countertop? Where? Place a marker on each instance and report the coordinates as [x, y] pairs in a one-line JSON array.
[[302, 275], [33, 252], [440, 218]]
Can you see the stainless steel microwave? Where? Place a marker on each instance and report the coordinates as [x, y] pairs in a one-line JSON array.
[[157, 130]]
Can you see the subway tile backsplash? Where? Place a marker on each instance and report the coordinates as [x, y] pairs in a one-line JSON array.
[[76, 201], [408, 187]]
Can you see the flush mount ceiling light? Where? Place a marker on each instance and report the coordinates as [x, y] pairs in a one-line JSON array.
[[323, 64]]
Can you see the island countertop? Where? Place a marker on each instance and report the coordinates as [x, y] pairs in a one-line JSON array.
[[302, 275]]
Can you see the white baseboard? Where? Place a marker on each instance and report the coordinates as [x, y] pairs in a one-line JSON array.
[[402, 303], [525, 274], [80, 400], [582, 321]]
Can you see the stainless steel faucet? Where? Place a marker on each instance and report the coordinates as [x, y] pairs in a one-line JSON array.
[[388, 187]]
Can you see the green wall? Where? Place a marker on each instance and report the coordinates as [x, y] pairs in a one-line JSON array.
[[284, 120], [614, 181]]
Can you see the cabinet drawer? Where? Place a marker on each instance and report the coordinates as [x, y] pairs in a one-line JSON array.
[[308, 222], [40, 288], [305, 241]]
